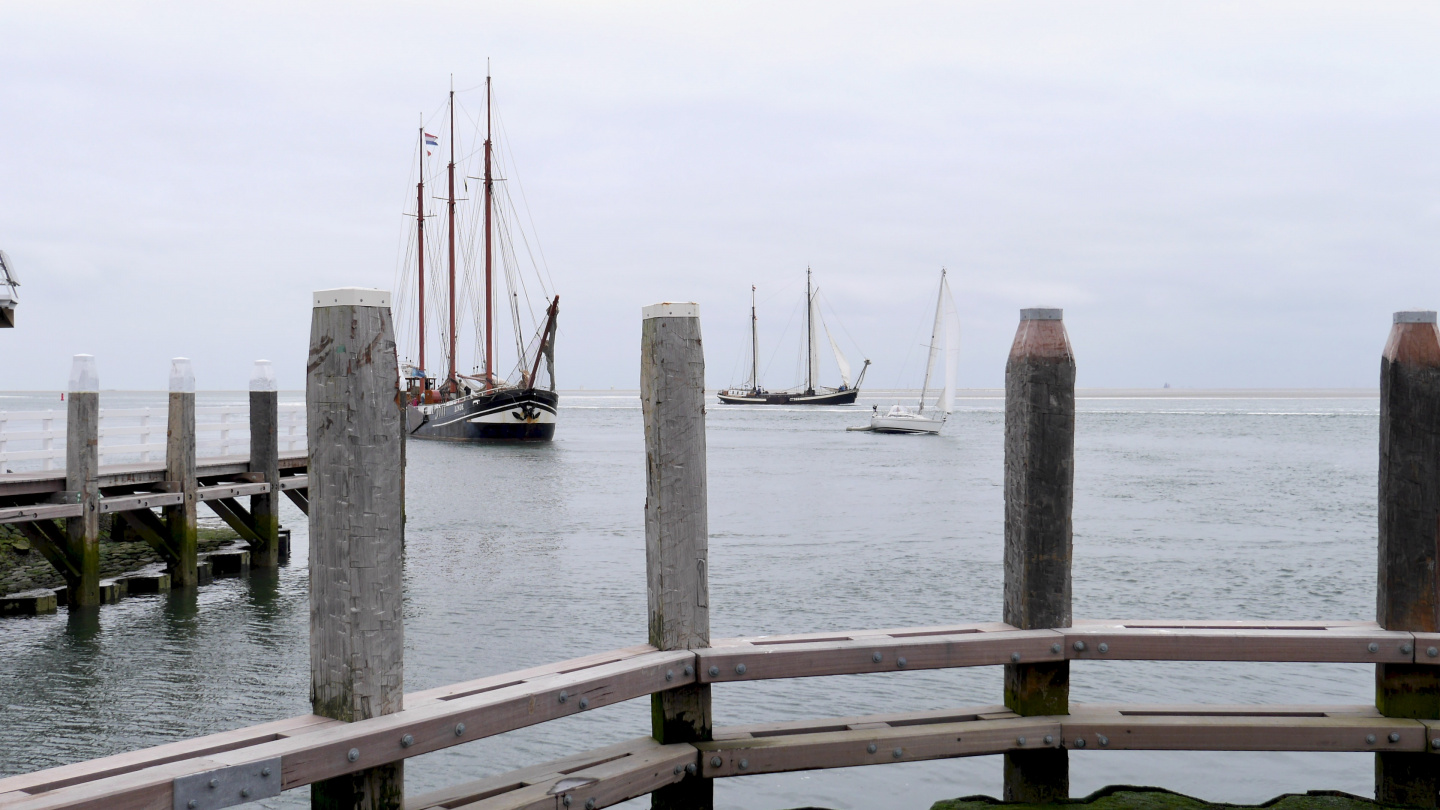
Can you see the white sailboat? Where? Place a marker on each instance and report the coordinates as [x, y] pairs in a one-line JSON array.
[[944, 336]]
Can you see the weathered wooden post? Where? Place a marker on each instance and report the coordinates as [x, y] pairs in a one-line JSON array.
[[1409, 532], [672, 396], [180, 522], [82, 476], [1039, 492], [356, 555], [265, 460]]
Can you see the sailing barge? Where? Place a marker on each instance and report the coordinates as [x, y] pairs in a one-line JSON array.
[[483, 406], [753, 393]]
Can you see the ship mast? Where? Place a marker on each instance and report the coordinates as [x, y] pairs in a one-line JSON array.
[[754, 345], [489, 290], [451, 378], [809, 338], [420, 241]]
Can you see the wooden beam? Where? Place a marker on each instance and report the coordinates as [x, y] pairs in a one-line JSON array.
[[143, 500], [357, 640], [41, 511], [1039, 494], [181, 519], [1409, 512], [672, 399], [265, 460], [82, 468], [301, 499], [1240, 728], [1345, 642], [50, 540], [219, 491], [235, 516]]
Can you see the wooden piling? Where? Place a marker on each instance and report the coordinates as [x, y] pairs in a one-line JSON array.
[[356, 555], [265, 460], [672, 396], [180, 519], [1039, 492], [82, 476], [1409, 511]]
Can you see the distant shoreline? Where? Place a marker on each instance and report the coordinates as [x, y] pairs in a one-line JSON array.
[[963, 393]]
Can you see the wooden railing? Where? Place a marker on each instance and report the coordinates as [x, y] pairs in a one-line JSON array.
[[367, 735]]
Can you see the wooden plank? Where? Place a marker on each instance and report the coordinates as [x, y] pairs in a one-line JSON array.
[[850, 656], [493, 682], [357, 639], [672, 399], [1427, 648], [1239, 728], [1353, 643], [843, 635], [144, 500], [219, 491], [960, 715], [600, 778], [290, 482], [876, 746], [47, 511], [299, 498], [235, 516]]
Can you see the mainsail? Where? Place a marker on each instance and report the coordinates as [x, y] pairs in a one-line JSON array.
[[839, 356], [944, 335]]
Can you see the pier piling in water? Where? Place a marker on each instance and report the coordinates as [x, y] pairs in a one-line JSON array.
[[1039, 493], [672, 396], [356, 553], [1409, 512], [82, 476], [180, 519], [265, 461]]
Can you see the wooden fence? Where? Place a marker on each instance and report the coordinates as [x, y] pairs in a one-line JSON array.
[[352, 749]]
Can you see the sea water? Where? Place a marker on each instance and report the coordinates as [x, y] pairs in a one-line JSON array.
[[1187, 508]]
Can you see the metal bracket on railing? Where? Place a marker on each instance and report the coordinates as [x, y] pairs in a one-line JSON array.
[[227, 787]]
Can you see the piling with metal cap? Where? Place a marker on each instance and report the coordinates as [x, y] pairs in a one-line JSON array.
[[265, 460], [353, 428], [672, 397], [180, 519], [1039, 493], [1409, 512], [82, 478]]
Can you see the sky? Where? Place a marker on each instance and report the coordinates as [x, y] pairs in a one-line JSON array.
[[1217, 194]]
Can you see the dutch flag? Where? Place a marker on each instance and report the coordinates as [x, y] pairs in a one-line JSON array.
[[430, 141]]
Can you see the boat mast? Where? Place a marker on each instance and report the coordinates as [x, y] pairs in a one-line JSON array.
[[809, 338], [420, 242], [489, 291], [451, 378], [934, 333], [754, 345]]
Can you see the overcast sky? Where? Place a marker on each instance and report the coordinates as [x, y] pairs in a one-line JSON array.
[[1218, 194]]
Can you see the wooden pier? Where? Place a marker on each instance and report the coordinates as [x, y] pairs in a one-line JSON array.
[[59, 510], [363, 729]]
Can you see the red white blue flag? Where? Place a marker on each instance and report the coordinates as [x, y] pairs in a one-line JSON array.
[[430, 141]]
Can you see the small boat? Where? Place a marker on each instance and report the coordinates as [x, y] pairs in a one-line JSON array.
[[753, 393], [8, 299], [944, 336], [486, 405]]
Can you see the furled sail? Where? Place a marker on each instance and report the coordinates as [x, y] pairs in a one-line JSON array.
[[814, 371]]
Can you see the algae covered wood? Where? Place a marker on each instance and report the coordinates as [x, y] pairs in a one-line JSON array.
[[82, 476], [1039, 493], [672, 398], [356, 554], [265, 460], [180, 518], [1409, 517]]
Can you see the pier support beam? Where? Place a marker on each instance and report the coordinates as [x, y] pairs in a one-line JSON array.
[[180, 519], [356, 553], [265, 460], [1039, 493], [82, 476], [672, 396], [1409, 512]]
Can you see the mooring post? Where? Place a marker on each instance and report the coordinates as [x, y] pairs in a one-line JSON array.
[[1409, 531], [265, 459], [82, 476], [672, 396], [1039, 492], [356, 556], [180, 523]]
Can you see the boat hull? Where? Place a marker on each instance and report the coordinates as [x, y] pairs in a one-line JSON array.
[[505, 415], [846, 397]]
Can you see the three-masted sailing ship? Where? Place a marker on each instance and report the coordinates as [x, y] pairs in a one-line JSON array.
[[811, 393], [484, 405]]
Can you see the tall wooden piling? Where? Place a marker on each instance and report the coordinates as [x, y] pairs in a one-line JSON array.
[[356, 554], [1409, 531], [82, 476], [180, 518], [265, 460], [672, 396], [1039, 492]]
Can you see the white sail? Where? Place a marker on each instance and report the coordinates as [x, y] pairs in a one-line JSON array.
[[813, 380], [839, 356], [952, 345]]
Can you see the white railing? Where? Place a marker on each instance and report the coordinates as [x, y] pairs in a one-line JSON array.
[[35, 440]]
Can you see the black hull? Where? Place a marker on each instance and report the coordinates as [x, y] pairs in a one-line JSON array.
[[819, 398], [507, 415]]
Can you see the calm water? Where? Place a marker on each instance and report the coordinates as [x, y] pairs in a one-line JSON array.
[[517, 556]]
